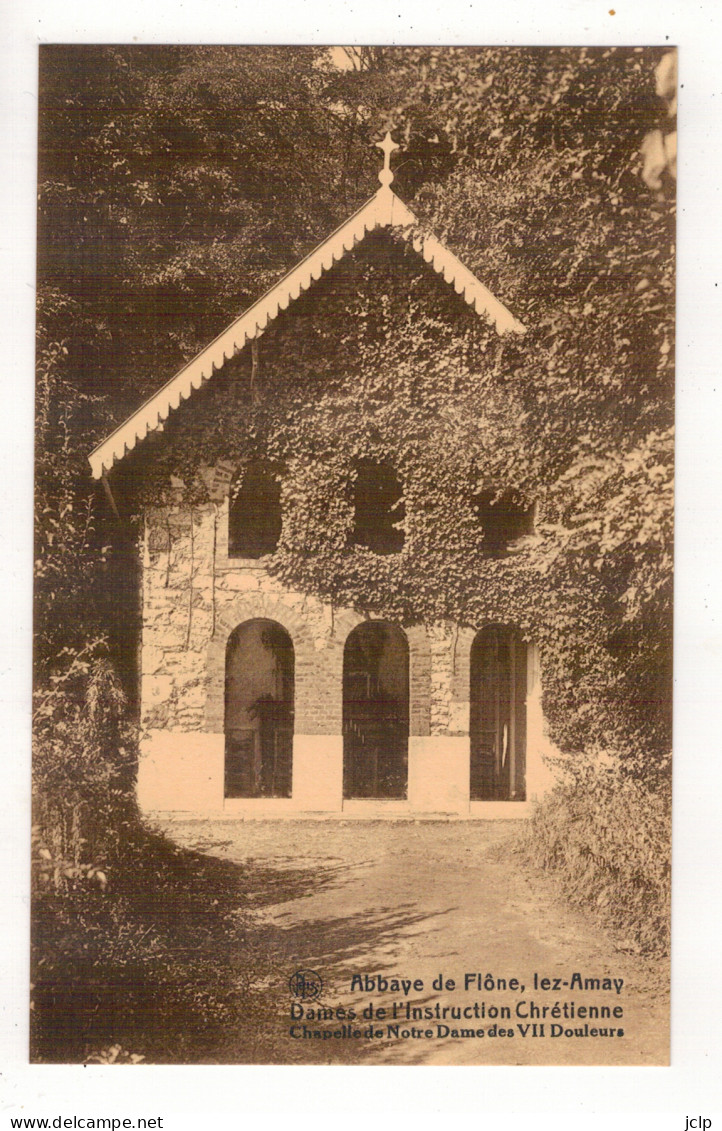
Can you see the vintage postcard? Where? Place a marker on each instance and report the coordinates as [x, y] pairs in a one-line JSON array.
[[353, 592]]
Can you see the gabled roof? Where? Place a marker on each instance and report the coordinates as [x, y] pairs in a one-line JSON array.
[[384, 209]]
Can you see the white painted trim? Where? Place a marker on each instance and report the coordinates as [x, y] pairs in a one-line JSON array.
[[384, 209]]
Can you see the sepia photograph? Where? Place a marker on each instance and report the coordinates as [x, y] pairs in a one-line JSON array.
[[354, 486]]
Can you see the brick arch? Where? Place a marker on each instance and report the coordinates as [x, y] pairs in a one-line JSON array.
[[264, 605], [376, 710], [533, 654], [419, 666], [490, 778], [344, 622], [461, 661], [255, 607], [326, 710]]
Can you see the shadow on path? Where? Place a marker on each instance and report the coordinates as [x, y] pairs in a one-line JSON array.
[[416, 901]]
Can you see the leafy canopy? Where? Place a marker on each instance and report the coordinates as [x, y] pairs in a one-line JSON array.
[[176, 183]]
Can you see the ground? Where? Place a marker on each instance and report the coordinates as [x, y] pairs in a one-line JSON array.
[[416, 900]]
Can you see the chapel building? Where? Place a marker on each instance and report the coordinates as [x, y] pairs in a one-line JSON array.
[[258, 699]]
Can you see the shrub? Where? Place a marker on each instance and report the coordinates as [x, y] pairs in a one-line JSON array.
[[141, 950], [82, 772], [605, 836], [161, 965]]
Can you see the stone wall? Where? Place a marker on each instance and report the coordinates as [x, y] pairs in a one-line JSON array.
[[194, 596]]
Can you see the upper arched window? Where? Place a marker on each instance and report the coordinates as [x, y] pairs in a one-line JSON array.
[[503, 518], [378, 508], [254, 511]]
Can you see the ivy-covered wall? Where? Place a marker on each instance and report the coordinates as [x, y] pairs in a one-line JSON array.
[[194, 596], [382, 360]]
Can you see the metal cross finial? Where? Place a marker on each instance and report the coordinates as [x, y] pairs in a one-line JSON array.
[[388, 145]]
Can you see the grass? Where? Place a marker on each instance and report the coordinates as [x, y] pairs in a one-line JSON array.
[[162, 966], [605, 840]]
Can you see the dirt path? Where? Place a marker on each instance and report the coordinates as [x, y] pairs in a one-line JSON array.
[[416, 900]]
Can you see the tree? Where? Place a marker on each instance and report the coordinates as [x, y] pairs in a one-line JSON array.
[[176, 183]]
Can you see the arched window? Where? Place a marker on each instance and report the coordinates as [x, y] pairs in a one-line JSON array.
[[497, 724], [254, 511], [259, 710], [503, 518], [375, 712], [378, 508]]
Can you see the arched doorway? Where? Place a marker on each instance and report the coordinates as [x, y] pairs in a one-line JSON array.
[[259, 710], [497, 725], [375, 712]]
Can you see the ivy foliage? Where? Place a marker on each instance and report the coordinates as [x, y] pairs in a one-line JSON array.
[[605, 839], [381, 360], [177, 183]]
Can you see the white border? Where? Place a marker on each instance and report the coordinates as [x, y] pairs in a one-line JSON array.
[[219, 1097]]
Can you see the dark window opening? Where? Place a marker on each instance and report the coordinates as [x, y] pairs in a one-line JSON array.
[[379, 508], [254, 512], [259, 711], [503, 518], [497, 724], [375, 712]]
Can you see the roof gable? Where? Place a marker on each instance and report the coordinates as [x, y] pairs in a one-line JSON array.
[[384, 209]]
